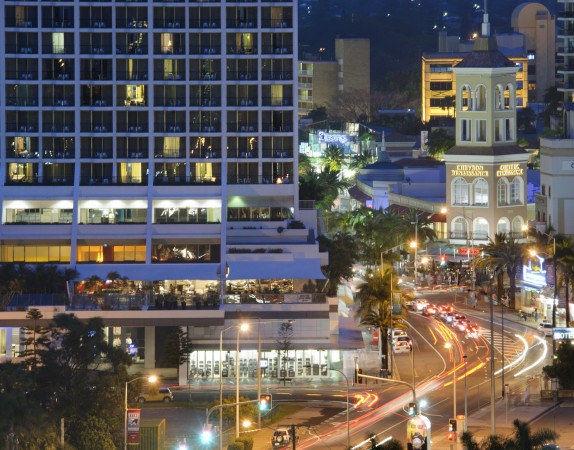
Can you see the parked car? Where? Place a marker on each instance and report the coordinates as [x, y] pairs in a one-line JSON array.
[[281, 437], [163, 394], [545, 328]]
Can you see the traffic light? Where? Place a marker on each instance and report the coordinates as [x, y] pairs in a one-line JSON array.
[[443, 260], [265, 402], [452, 426], [450, 436], [206, 435], [412, 409]]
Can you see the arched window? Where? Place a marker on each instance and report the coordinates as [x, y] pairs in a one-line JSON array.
[[502, 191], [460, 192], [481, 192], [503, 225], [517, 224], [459, 228], [480, 228], [509, 97], [465, 98], [480, 98], [517, 191], [499, 98]]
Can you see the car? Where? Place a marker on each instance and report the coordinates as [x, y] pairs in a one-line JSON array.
[[421, 303], [406, 339], [429, 310], [448, 317], [545, 328], [550, 447], [163, 394], [281, 437], [397, 333], [402, 347], [461, 325], [472, 331]]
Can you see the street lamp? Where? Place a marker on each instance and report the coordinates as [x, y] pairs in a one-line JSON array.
[[150, 379], [348, 422], [465, 397], [415, 245], [242, 327], [449, 346]]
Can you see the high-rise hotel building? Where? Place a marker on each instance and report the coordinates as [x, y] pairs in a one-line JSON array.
[[157, 140]]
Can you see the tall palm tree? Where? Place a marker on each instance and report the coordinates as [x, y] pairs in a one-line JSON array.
[[504, 253], [413, 219], [565, 261]]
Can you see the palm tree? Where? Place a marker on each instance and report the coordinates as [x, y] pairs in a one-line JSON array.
[[565, 261], [524, 438], [412, 220], [504, 253], [333, 158]]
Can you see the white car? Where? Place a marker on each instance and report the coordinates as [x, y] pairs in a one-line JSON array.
[[402, 347], [397, 333]]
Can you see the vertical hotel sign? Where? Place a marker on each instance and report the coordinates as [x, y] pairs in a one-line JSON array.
[[134, 426]]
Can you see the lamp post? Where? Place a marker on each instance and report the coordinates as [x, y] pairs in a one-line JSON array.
[[449, 345], [151, 379], [465, 397], [348, 422], [415, 245], [242, 327]]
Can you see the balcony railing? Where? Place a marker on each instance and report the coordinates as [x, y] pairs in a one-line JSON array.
[[186, 180]]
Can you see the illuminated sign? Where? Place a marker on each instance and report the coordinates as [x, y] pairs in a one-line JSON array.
[[133, 426], [509, 170], [563, 334], [468, 251], [332, 138], [469, 170]]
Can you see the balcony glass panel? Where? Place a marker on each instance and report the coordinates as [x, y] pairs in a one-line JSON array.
[[265, 213], [22, 253], [22, 95], [22, 173], [205, 147], [112, 215], [187, 215], [38, 216], [22, 147], [186, 253], [97, 147], [111, 253]]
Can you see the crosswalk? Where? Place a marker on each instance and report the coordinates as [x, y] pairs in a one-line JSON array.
[[512, 347]]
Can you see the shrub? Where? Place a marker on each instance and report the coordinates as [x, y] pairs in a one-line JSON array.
[[247, 442], [237, 445], [296, 225]]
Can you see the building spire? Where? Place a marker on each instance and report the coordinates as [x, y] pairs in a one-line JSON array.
[[485, 23]]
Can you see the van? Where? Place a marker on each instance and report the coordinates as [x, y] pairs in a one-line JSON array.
[[545, 328]]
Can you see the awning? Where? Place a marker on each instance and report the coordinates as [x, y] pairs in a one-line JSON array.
[[359, 195], [307, 269]]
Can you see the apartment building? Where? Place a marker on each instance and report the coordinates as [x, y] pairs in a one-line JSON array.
[[156, 140]]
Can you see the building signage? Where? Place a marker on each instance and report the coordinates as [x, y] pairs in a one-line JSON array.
[[463, 251], [134, 426], [563, 334], [469, 170], [509, 170], [568, 165], [332, 138]]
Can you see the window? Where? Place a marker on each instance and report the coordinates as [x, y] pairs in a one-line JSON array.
[[465, 130], [481, 130], [440, 68], [481, 192], [459, 228], [480, 228], [480, 98], [460, 192], [517, 224], [516, 194], [502, 192], [499, 98], [441, 86], [503, 226]]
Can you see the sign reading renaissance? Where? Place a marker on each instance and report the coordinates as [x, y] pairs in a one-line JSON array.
[[509, 170], [469, 170]]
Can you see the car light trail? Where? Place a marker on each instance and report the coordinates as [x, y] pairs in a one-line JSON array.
[[366, 441], [539, 360], [518, 360]]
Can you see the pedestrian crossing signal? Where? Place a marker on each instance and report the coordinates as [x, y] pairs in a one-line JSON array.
[[452, 425], [412, 409]]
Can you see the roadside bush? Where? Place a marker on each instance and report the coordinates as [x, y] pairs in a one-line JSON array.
[[247, 442], [237, 445]]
